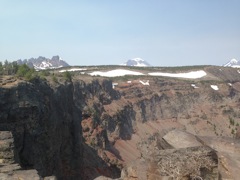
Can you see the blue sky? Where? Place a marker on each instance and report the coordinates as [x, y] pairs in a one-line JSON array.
[[162, 32]]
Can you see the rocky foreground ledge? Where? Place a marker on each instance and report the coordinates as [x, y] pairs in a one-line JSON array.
[[177, 155], [181, 155], [9, 169]]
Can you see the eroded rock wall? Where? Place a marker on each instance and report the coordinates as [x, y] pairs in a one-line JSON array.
[[45, 124]]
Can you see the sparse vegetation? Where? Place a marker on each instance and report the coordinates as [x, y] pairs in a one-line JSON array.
[[67, 76], [177, 165], [44, 73], [93, 142], [54, 78], [23, 71], [231, 120], [1, 68], [204, 116], [26, 72], [227, 111]]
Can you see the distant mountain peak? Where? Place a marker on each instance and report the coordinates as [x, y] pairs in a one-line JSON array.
[[136, 62], [232, 63], [42, 63], [137, 59]]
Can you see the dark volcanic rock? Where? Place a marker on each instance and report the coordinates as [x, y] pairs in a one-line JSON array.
[[45, 123], [45, 127]]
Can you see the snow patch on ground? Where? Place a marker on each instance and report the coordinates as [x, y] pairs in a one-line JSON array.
[[190, 75], [123, 72], [194, 86], [215, 87], [115, 73], [114, 84], [145, 83], [73, 69]]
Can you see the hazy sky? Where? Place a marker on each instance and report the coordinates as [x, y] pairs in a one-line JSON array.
[[88, 32]]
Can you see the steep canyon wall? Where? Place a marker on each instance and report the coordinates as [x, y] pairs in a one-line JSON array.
[[69, 129]]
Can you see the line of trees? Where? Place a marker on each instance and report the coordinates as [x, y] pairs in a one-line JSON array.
[[8, 68], [24, 71], [12, 68]]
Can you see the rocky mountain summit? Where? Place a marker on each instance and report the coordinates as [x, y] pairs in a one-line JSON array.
[[232, 63], [86, 128], [42, 63]]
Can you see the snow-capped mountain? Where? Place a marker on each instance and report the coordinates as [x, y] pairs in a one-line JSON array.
[[232, 63], [136, 62], [42, 63]]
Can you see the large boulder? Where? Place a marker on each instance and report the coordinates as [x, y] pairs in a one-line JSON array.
[[181, 139]]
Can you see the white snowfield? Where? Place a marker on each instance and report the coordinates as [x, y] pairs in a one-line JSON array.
[[189, 75], [43, 65], [115, 73], [73, 69], [215, 87], [123, 72], [140, 62], [46, 64], [232, 63], [194, 86]]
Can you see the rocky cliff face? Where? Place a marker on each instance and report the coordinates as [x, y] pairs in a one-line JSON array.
[[45, 123], [84, 128]]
